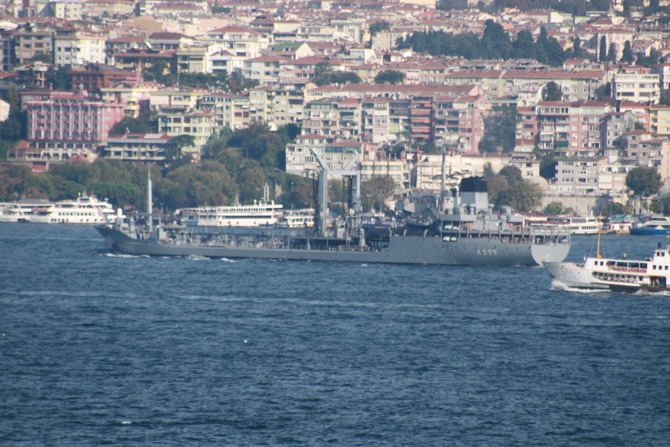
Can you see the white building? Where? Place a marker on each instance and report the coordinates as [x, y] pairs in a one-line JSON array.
[[636, 87], [79, 49]]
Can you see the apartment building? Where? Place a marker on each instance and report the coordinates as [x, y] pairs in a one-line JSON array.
[[663, 72], [527, 164], [322, 118], [526, 129], [301, 161], [239, 41], [79, 49], [575, 85], [646, 149], [62, 125], [570, 127], [29, 42], [459, 121], [490, 81], [659, 120], [98, 8], [375, 163], [134, 95], [636, 87], [375, 120], [141, 61], [299, 158], [264, 69], [69, 10], [7, 50], [577, 175], [261, 100], [138, 148], [426, 174], [94, 77], [288, 106], [613, 126], [176, 97], [200, 125], [195, 58]]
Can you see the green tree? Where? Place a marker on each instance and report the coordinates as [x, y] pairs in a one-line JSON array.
[[603, 49], [577, 47], [627, 56], [80, 172], [553, 209], [379, 26], [69, 190], [500, 129], [551, 92], [390, 77], [611, 53], [644, 181], [146, 122], [599, 5], [251, 182], [616, 209], [495, 43], [259, 143], [179, 143], [43, 57], [120, 194], [524, 46], [375, 191]]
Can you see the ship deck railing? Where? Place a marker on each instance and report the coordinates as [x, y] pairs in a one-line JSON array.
[[514, 234]]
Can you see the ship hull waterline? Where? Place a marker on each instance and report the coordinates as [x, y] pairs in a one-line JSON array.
[[401, 250]]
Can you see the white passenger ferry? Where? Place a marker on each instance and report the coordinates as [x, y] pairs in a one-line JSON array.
[[21, 211], [258, 214], [576, 225], [651, 274], [86, 209]]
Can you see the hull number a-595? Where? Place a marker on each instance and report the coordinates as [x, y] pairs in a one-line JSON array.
[[488, 252]]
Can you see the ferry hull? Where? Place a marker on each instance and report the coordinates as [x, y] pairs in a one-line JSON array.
[[649, 232], [401, 250], [574, 276]]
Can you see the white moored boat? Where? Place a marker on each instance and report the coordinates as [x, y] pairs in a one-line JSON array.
[[21, 211], [576, 225], [86, 209], [258, 214]]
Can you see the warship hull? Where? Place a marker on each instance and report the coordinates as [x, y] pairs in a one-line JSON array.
[[398, 250]]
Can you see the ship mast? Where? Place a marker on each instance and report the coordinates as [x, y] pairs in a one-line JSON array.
[[149, 200], [598, 243]]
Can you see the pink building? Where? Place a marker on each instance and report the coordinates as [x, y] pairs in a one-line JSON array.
[[64, 124], [570, 127]]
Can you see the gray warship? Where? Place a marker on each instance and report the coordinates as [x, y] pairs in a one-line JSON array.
[[452, 227]]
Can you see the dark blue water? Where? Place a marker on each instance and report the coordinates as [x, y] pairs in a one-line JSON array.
[[99, 350]]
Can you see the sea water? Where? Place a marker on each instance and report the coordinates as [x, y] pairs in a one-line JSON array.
[[100, 349]]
